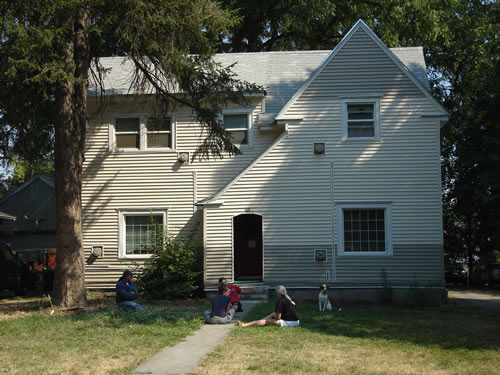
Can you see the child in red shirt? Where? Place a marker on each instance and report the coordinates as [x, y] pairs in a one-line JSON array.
[[235, 292]]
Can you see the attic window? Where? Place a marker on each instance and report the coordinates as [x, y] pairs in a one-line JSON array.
[[360, 119], [238, 125]]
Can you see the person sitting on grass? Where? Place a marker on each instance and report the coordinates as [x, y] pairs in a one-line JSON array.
[[126, 292], [222, 310], [284, 315], [235, 292]]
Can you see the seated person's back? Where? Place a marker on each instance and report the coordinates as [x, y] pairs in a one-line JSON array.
[[219, 305]]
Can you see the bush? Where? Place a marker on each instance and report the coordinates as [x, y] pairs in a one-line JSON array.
[[170, 272]]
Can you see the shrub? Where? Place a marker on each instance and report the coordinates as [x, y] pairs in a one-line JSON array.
[[170, 272]]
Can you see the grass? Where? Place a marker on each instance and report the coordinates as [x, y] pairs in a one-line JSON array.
[[365, 340], [106, 341]]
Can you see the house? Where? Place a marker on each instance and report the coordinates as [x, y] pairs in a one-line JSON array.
[[33, 207], [339, 181], [4, 216]]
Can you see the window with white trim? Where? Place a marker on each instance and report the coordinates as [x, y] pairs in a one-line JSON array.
[[238, 124], [135, 132], [364, 229], [127, 132], [159, 132], [137, 231], [360, 119]]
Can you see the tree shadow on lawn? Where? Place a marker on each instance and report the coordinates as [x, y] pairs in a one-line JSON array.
[[447, 327], [115, 317]]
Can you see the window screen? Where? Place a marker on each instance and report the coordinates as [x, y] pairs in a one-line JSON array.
[[360, 120]]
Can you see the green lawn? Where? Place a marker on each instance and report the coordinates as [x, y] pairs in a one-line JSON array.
[[91, 342], [365, 340]]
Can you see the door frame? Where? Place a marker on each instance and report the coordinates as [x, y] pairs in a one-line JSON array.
[[232, 239]]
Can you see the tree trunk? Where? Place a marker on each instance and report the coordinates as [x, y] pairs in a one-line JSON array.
[[70, 127]]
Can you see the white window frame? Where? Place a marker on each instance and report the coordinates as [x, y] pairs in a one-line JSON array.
[[122, 213], [171, 132], [249, 114], [143, 133], [376, 118], [387, 206]]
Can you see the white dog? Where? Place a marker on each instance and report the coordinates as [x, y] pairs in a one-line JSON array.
[[324, 302]]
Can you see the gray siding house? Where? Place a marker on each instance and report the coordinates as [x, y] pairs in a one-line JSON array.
[[339, 181], [33, 206]]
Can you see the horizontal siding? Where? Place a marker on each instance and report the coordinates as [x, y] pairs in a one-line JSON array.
[[410, 264], [292, 188], [145, 179]]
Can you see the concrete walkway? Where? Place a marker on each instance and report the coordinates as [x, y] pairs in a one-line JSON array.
[[187, 355], [487, 298]]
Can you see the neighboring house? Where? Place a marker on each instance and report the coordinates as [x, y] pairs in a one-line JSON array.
[[339, 181], [34, 207], [4, 216]]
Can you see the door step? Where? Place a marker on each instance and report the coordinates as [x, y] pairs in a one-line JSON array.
[[261, 293]]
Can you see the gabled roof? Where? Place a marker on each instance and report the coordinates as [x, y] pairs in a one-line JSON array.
[[281, 74], [417, 66], [40, 177]]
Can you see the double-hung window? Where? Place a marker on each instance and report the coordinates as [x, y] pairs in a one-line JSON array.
[[138, 230], [360, 119], [159, 132], [238, 125], [364, 229], [129, 133]]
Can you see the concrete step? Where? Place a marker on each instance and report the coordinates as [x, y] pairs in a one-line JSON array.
[[261, 293]]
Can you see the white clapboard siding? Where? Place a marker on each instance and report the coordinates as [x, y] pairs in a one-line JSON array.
[[146, 179], [292, 188]]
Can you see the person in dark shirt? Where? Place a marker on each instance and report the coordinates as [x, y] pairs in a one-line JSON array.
[[284, 315], [222, 309], [126, 292]]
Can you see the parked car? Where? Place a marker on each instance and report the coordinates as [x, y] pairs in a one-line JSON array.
[[486, 274], [455, 273]]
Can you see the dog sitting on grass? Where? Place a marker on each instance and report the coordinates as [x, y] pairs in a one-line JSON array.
[[324, 302]]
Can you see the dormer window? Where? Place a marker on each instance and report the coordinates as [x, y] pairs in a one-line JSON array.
[[159, 132], [127, 132], [238, 124], [141, 133]]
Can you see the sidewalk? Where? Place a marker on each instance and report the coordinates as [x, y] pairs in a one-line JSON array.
[[190, 352]]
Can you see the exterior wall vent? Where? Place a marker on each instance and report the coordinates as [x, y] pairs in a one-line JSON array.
[[320, 255], [97, 251], [183, 157], [319, 149]]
